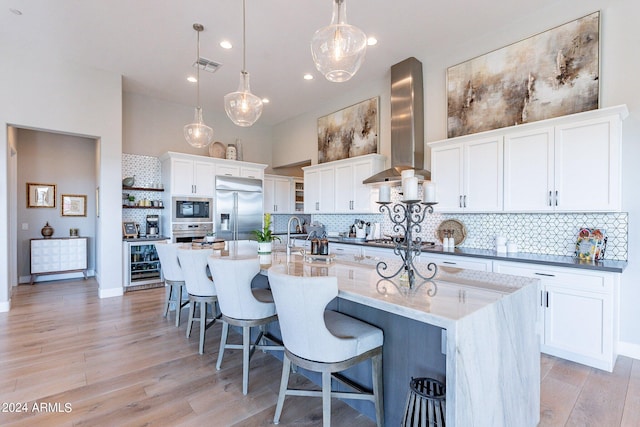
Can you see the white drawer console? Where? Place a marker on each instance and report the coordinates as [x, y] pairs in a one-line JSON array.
[[57, 256]]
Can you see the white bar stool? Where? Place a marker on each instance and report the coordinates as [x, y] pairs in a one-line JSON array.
[[242, 306], [323, 341], [172, 274], [200, 288]]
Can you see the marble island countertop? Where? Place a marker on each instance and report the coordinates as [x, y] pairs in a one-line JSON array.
[[451, 295]]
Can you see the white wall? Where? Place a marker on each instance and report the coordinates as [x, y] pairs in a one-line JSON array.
[[66, 98], [69, 163], [152, 127], [295, 140]]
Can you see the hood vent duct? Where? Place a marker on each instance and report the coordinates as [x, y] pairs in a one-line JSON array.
[[407, 123]]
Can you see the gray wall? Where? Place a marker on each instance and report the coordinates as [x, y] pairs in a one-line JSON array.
[[69, 163]]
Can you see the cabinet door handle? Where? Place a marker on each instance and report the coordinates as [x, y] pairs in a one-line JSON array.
[[549, 197], [460, 202], [541, 298], [449, 262], [464, 205], [545, 274], [556, 197], [193, 188], [317, 206], [275, 208], [547, 299]]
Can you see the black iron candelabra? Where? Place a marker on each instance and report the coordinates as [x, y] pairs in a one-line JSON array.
[[407, 218]]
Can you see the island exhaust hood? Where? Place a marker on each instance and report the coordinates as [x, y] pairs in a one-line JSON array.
[[407, 123]]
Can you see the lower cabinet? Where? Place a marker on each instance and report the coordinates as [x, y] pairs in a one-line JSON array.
[[456, 261], [577, 316], [58, 255]]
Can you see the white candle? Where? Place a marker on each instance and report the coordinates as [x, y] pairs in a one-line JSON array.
[[410, 188], [407, 173], [385, 194], [429, 192]]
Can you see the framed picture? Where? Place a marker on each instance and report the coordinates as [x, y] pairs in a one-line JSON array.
[[129, 229], [74, 205], [41, 195], [550, 74], [350, 132]]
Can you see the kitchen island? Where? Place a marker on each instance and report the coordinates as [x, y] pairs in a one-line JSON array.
[[474, 330]]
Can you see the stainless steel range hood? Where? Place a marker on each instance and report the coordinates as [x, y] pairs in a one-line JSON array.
[[407, 123]]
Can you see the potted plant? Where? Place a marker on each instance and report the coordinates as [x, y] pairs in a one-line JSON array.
[[264, 237], [209, 237]]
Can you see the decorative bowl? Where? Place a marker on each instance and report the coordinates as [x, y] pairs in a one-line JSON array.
[[129, 181]]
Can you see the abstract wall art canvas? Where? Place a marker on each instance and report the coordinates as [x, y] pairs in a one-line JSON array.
[[350, 132], [551, 74]]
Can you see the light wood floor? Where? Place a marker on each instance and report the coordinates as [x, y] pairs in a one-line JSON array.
[[118, 362]]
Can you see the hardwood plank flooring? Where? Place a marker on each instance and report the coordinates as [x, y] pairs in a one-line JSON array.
[[118, 362]]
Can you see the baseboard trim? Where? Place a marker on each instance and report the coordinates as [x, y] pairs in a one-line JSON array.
[[629, 350], [110, 293], [5, 306]]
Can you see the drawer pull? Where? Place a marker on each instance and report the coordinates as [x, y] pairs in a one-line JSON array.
[[545, 274], [449, 262]]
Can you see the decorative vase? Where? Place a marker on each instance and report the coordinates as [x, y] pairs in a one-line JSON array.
[[265, 247], [47, 231]]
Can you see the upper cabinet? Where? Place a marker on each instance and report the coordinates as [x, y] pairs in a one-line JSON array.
[[336, 187], [191, 175], [566, 164], [277, 194], [468, 175]]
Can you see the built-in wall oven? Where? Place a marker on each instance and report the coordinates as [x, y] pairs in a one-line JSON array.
[[191, 209], [184, 232]]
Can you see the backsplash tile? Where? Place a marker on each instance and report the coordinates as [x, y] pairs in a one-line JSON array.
[[148, 172], [542, 233]]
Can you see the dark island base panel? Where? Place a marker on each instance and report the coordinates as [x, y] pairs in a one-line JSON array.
[[411, 349]]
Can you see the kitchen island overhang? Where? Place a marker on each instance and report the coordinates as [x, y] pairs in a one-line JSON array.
[[492, 353]]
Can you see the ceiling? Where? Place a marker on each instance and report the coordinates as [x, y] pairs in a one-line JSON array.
[[152, 44]]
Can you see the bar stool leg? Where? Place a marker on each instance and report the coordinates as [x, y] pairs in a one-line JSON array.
[[246, 349], [326, 399], [223, 342], [376, 369], [166, 310], [178, 304], [192, 309], [284, 381], [203, 324]]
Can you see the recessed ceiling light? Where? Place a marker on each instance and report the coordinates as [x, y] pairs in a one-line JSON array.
[[192, 79], [265, 100], [308, 76], [15, 11], [226, 44], [372, 41]]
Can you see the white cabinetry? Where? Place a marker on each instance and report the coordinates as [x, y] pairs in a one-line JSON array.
[[190, 175], [577, 312], [277, 194], [468, 175], [337, 186], [345, 249], [569, 167], [456, 261], [56, 256], [351, 194], [319, 187], [565, 164]]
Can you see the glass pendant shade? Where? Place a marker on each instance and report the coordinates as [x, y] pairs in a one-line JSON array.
[[338, 50], [198, 134], [243, 107]]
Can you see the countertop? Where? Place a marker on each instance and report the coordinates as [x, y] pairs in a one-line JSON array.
[[525, 257], [145, 239]]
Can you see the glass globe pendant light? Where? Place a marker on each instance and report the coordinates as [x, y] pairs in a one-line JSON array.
[[243, 107], [339, 48], [198, 134]]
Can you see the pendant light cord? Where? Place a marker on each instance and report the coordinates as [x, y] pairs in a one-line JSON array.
[[244, 37], [198, 68]]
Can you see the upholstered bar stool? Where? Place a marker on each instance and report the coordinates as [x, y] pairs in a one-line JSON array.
[[200, 288], [322, 340], [242, 306], [172, 274]]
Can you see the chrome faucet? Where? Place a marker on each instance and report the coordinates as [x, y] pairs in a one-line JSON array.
[[289, 244]]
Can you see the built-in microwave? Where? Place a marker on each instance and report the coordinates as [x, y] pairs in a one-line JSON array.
[[191, 209]]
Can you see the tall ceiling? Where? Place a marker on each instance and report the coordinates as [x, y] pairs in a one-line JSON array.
[[152, 44]]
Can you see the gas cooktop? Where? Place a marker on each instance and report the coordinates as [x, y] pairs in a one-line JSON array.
[[391, 243]]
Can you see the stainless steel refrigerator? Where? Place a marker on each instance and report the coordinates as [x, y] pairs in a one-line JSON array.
[[238, 207]]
